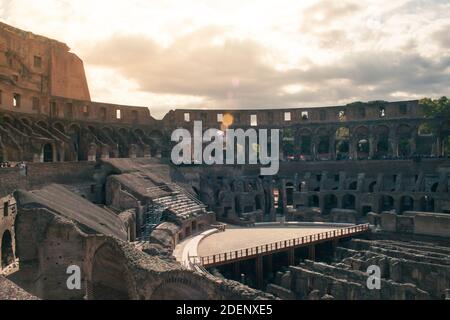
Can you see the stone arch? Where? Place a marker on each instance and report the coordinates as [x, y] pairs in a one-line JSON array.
[[123, 131], [349, 201], [353, 185], [94, 140], [304, 141], [48, 152], [342, 143], [59, 126], [237, 204], [424, 140], [322, 142], [406, 204], [434, 187], [258, 202], [426, 204], [313, 201], [302, 186], [26, 121], [108, 134], [108, 130], [382, 141], [386, 203], [362, 142], [74, 132], [372, 186], [404, 133], [42, 124], [110, 278], [182, 286], [330, 202], [9, 120], [157, 141], [139, 131], [290, 194], [7, 251]]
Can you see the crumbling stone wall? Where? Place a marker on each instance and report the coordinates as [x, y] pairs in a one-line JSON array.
[[408, 271], [111, 269], [232, 194], [8, 212]]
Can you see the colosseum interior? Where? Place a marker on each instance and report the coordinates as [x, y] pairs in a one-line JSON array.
[[91, 185]]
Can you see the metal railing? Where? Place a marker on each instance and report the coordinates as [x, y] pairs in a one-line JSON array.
[[221, 258], [152, 217]]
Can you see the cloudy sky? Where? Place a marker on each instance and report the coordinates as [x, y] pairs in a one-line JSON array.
[[167, 54]]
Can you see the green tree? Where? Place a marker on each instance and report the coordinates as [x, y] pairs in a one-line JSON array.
[[438, 111], [437, 108]]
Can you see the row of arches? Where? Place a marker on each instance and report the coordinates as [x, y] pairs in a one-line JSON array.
[[7, 251], [73, 141], [363, 142], [385, 203]]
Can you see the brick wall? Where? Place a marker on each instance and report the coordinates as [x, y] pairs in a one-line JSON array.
[[38, 174]]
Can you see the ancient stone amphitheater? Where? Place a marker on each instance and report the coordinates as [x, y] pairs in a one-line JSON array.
[[90, 185]]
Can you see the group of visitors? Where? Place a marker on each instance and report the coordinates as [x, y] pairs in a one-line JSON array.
[[7, 164]]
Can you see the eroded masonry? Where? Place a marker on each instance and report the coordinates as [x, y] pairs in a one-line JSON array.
[[91, 185]]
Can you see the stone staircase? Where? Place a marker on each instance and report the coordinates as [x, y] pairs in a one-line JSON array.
[[182, 204]]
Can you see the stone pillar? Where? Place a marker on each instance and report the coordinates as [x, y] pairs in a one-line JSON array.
[[360, 182], [259, 272], [132, 151], [398, 204], [416, 204], [314, 150], [412, 143], [371, 146], [379, 185], [269, 260], [438, 147], [443, 182], [419, 183], [62, 154], [393, 143], [236, 270], [147, 152], [105, 152], [38, 157], [353, 152], [92, 153], [323, 180], [55, 153], [333, 147], [398, 182], [312, 252], [339, 201], [321, 203], [335, 244], [342, 178], [282, 197], [291, 257]]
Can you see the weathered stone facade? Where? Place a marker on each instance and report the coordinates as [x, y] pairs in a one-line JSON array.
[[98, 191]]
